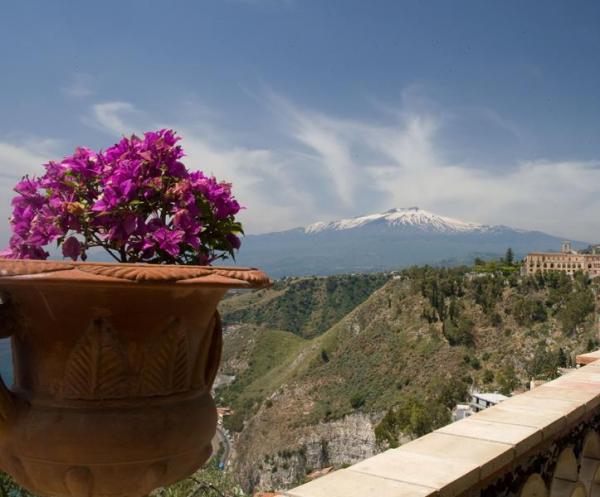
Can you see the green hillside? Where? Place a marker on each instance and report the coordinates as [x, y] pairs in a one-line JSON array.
[[260, 359], [406, 355], [304, 306]]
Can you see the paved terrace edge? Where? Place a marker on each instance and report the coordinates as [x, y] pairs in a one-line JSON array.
[[467, 455]]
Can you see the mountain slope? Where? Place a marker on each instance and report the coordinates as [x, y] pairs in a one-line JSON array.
[[389, 240], [393, 366], [305, 306], [412, 217]]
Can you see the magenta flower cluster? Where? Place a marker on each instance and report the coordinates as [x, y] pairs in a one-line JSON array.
[[136, 200]]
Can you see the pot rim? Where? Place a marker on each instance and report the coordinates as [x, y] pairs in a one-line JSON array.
[[19, 271]]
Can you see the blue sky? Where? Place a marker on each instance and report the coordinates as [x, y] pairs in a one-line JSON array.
[[320, 109]]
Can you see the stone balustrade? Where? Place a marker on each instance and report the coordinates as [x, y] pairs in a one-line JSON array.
[[543, 443]]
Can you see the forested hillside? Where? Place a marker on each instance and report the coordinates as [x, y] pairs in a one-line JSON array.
[[304, 306], [395, 364]]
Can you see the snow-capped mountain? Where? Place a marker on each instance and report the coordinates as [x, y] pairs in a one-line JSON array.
[[412, 217], [383, 241]]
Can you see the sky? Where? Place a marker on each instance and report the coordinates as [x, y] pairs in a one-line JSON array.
[[322, 109]]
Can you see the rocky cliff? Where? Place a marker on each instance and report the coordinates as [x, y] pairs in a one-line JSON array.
[[392, 367], [336, 443]]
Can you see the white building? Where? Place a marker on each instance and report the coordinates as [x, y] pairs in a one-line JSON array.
[[479, 402]]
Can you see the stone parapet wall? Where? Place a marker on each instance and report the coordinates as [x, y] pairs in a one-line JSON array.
[[541, 443]]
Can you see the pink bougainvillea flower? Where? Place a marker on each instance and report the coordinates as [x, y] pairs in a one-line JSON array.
[[136, 200], [234, 241], [71, 248], [168, 240]]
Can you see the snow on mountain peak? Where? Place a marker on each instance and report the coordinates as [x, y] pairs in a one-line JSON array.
[[410, 217]]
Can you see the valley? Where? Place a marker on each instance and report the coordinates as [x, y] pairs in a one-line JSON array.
[[321, 372], [325, 390]]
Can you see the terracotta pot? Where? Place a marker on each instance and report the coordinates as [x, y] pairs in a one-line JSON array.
[[114, 365]]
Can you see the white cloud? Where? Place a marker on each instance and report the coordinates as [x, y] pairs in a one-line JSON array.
[[331, 167], [263, 180], [108, 116], [17, 160], [402, 164], [80, 86]]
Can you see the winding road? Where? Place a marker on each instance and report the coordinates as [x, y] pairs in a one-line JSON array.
[[223, 441]]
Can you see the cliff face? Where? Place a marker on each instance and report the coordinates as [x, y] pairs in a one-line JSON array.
[[337, 443], [391, 368]]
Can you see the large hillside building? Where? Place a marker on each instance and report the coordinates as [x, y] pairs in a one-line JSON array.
[[567, 261]]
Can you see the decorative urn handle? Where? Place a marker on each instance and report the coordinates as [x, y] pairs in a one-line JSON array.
[[7, 407], [114, 365]]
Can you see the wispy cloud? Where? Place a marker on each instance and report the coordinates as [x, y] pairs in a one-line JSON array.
[[17, 159], [324, 167], [81, 85], [331, 167], [264, 180], [24, 156], [110, 117], [405, 165]]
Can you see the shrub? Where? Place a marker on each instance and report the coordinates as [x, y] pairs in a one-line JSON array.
[[488, 376], [357, 400], [234, 423], [136, 200], [460, 333], [528, 311], [545, 363], [8, 488], [577, 307], [507, 380]]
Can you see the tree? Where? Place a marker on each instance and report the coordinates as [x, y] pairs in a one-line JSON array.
[[357, 400], [507, 380], [577, 307], [562, 358], [8, 488], [459, 333], [388, 430], [414, 415], [488, 376], [544, 364], [528, 311], [210, 481], [509, 257]]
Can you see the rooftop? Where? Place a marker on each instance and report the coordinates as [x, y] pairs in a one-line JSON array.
[[494, 398]]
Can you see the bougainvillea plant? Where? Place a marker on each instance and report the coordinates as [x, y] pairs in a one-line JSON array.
[[136, 200]]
